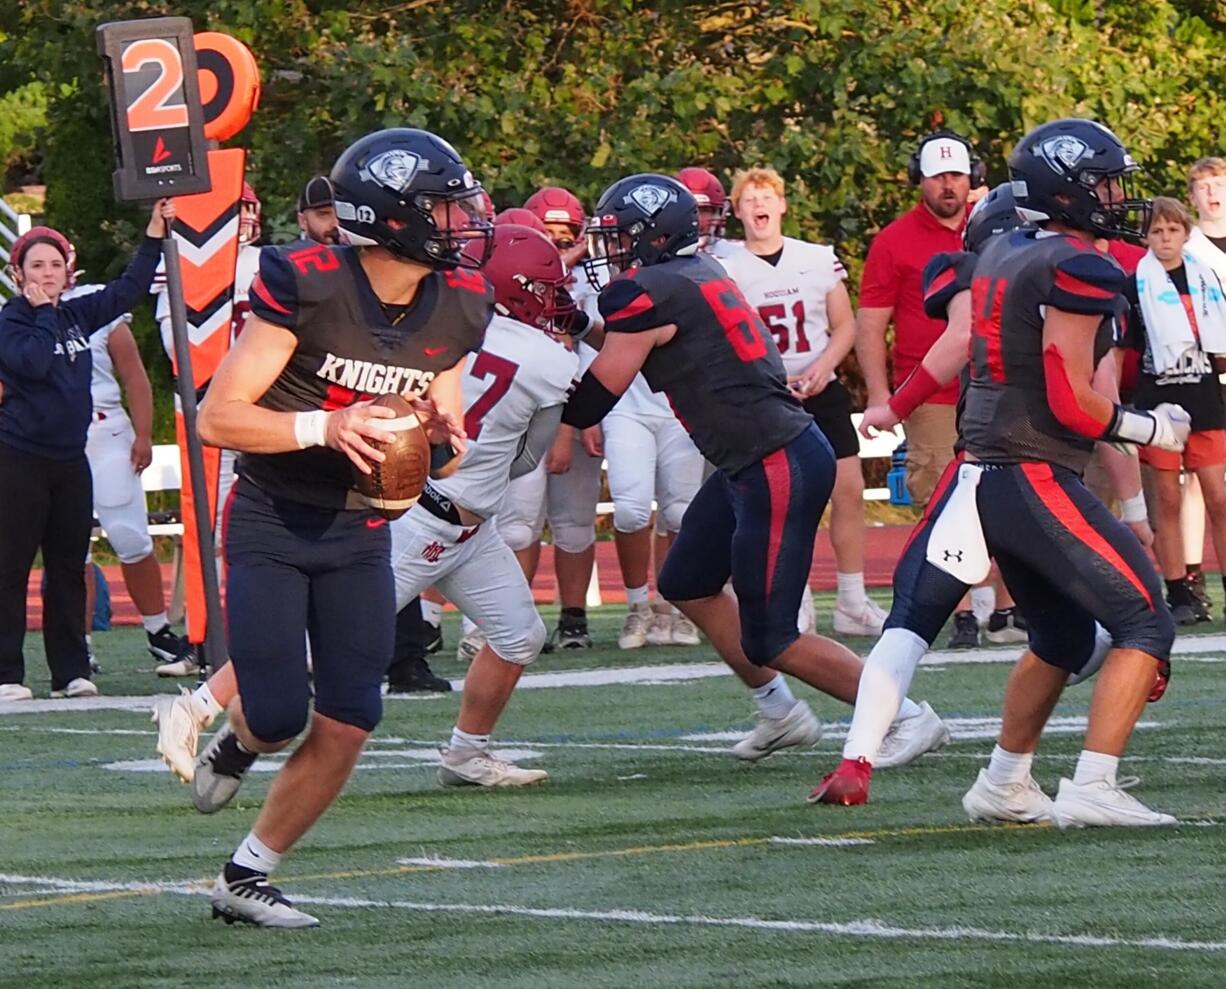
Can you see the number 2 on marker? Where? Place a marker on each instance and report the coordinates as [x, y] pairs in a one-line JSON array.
[[149, 110]]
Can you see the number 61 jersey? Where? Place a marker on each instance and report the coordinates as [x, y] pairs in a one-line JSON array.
[[721, 370], [350, 349]]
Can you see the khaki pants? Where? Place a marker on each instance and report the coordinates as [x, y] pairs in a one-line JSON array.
[[931, 434]]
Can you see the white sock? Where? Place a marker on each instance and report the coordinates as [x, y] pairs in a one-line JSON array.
[[636, 595], [851, 589], [883, 687], [89, 642], [1095, 766], [254, 854], [908, 709], [463, 740], [1009, 767], [154, 623], [432, 612], [775, 699], [205, 703]]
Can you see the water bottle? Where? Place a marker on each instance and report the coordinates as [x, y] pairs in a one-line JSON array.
[[896, 479]]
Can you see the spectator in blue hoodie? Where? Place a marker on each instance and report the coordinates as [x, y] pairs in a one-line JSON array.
[[46, 492]]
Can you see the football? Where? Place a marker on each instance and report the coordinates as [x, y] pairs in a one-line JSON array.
[[392, 487]]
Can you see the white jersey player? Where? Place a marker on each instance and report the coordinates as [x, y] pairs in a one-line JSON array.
[[514, 389], [118, 450], [798, 289]]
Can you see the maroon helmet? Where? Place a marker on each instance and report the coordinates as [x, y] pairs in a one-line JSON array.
[[529, 278], [489, 205], [521, 217], [553, 204], [249, 226], [712, 201]]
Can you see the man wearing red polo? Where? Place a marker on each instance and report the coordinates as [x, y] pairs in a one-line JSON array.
[[945, 169]]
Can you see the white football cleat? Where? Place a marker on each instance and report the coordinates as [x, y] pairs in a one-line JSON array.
[[179, 728], [480, 767], [185, 667], [253, 900], [684, 631], [15, 692], [799, 727], [910, 738], [468, 647], [1019, 803], [80, 687], [660, 631], [867, 619], [1103, 804], [634, 628]]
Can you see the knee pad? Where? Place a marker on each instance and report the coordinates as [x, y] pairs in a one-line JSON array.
[[278, 721], [631, 515], [672, 514], [522, 646], [1152, 632], [518, 534], [573, 538], [1094, 662], [762, 646], [1066, 643], [131, 543]]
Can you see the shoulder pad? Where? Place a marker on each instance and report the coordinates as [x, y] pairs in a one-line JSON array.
[[1086, 282], [627, 307], [945, 276], [274, 290]]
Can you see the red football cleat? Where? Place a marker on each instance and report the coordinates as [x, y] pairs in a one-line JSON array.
[[847, 785], [1162, 678]]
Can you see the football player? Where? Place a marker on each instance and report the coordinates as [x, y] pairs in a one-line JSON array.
[[798, 289], [1045, 304], [565, 488], [331, 327], [514, 390], [674, 314], [924, 595], [708, 193]]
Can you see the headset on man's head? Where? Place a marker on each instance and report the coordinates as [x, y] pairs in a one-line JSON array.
[[978, 169]]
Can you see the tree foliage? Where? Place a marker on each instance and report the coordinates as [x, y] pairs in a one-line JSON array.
[[831, 92]]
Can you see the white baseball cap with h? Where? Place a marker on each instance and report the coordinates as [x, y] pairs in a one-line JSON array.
[[944, 154]]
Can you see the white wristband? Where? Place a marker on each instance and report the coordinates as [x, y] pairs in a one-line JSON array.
[[311, 428], [1133, 509], [1133, 426]]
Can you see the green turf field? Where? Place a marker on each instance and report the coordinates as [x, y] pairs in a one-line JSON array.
[[650, 859]]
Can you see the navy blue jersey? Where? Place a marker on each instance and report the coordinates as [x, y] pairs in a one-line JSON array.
[[1008, 418], [350, 350], [721, 371]]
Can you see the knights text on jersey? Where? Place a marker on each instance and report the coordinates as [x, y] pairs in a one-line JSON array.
[[348, 351], [790, 295], [518, 371], [721, 370], [1008, 418]]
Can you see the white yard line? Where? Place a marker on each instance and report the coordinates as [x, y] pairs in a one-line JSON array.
[[829, 842], [1188, 648], [867, 928], [438, 863]]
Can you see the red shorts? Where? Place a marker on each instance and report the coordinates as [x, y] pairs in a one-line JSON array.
[[1206, 448]]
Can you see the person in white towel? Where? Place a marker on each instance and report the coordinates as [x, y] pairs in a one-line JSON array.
[[1178, 322]]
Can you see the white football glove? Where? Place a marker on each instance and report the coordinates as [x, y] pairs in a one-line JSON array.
[[1171, 427]]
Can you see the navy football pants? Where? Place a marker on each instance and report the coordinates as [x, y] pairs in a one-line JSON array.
[[291, 569], [756, 526], [1067, 561]]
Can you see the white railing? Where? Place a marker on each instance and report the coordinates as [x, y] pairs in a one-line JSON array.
[[12, 226]]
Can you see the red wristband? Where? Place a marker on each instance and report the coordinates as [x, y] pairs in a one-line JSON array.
[[914, 392]]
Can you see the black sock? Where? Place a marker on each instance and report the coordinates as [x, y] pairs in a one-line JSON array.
[[578, 614], [1193, 569], [238, 873], [1177, 591]]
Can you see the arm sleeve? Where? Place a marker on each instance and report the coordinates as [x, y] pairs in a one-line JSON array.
[[627, 307], [1087, 283], [944, 277], [97, 309], [879, 281], [537, 439], [274, 291], [28, 340]]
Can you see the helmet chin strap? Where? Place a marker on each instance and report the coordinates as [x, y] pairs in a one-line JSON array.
[[686, 251]]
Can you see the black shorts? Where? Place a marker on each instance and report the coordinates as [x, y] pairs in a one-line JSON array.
[[831, 410]]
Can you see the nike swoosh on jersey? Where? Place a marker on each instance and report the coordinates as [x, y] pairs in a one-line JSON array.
[[375, 523], [434, 351]]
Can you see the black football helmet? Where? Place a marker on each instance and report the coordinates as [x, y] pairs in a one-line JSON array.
[[995, 213], [408, 190], [640, 220], [1056, 170]]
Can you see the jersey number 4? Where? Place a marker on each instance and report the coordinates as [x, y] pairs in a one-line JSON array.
[[740, 321], [483, 366]]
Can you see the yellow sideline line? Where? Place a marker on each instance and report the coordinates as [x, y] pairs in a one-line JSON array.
[[54, 900]]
